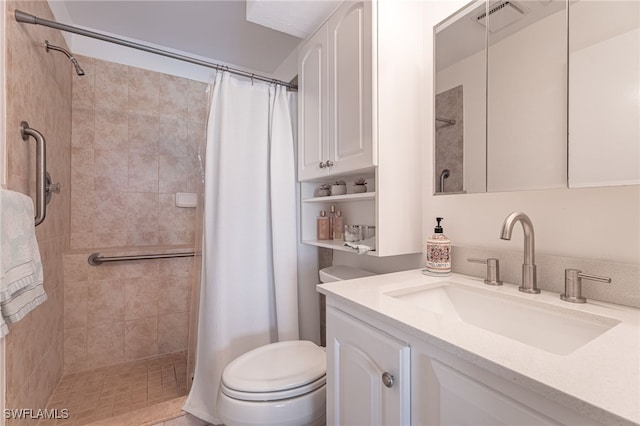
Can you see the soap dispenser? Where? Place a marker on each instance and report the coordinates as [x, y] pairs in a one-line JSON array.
[[438, 252]]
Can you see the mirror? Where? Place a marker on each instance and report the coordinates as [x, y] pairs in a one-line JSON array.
[[501, 81], [604, 119], [460, 103]]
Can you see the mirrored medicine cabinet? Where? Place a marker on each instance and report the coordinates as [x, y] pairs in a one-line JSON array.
[[537, 95]]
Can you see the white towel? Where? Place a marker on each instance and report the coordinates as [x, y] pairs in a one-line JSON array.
[[364, 246], [21, 275]]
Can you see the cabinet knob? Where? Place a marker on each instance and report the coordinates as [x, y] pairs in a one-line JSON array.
[[321, 165], [329, 163], [387, 379]]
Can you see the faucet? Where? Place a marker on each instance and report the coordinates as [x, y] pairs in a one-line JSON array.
[[529, 282]]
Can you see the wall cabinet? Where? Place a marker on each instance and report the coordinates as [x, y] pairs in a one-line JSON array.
[[334, 79], [359, 103], [367, 374], [443, 389]]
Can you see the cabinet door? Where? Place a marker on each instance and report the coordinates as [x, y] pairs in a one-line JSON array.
[[357, 357], [312, 107], [350, 87]]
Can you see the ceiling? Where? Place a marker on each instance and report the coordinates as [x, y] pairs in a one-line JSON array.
[[253, 34]]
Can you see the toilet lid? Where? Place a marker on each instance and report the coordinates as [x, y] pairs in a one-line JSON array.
[[276, 367]]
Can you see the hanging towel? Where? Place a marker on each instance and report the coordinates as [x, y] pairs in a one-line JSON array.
[[21, 277]]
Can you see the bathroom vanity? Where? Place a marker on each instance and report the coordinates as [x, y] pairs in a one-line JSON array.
[[405, 348]]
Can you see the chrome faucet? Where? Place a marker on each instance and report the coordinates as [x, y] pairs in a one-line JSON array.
[[529, 282]]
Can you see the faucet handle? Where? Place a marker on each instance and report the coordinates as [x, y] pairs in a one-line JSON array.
[[573, 285], [493, 269]]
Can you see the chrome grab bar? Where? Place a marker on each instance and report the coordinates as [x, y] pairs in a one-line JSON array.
[[41, 169], [96, 259]]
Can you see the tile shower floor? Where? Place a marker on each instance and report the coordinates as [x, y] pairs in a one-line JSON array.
[[94, 395]]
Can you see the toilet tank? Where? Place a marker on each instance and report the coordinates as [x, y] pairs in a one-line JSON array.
[[342, 272]]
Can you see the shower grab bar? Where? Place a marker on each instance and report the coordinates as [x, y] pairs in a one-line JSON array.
[[41, 169], [96, 259]]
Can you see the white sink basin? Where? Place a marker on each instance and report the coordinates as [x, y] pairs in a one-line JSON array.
[[548, 327]]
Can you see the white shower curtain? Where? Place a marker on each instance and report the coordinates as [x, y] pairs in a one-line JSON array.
[[249, 274]]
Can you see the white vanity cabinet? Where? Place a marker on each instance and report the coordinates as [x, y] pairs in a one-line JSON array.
[[368, 376], [359, 115], [334, 95], [434, 387]]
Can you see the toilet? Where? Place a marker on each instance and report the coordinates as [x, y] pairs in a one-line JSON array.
[[281, 383]]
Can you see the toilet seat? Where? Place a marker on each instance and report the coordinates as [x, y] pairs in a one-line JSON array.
[[276, 371]]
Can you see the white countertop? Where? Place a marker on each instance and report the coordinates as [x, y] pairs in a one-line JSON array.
[[604, 373]]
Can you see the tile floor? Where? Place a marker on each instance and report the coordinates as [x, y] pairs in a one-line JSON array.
[[99, 394]]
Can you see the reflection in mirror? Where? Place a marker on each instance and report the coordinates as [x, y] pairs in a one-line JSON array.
[[527, 95], [604, 93], [460, 124]]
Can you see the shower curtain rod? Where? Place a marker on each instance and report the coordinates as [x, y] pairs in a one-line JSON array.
[[31, 19]]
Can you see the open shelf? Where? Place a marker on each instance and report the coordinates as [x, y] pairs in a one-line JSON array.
[[335, 245], [338, 198]]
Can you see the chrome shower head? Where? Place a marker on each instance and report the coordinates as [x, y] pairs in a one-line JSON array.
[[73, 60]]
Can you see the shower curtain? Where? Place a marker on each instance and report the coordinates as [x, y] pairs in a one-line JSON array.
[[249, 274]]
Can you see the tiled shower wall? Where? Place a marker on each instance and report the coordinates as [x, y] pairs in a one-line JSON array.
[[449, 150], [38, 91], [135, 136]]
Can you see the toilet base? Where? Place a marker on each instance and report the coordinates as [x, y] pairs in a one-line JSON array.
[[309, 409]]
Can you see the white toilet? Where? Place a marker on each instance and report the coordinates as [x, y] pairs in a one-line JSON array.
[[282, 383]]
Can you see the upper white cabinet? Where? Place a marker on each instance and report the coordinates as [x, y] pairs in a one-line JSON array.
[[360, 114], [312, 107], [335, 68]]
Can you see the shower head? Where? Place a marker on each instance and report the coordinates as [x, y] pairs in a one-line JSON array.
[[73, 60]]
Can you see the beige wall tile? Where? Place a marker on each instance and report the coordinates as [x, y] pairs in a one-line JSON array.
[[112, 130], [174, 96], [84, 88], [83, 212], [142, 211], [144, 129], [141, 338], [105, 343], [143, 172], [105, 301], [75, 349], [198, 101], [173, 294], [172, 138], [173, 173], [111, 86], [144, 90], [141, 298], [172, 332], [76, 268], [76, 296], [82, 126], [111, 169], [38, 91], [144, 132], [81, 240], [82, 169]]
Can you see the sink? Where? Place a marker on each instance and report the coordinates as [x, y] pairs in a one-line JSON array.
[[548, 327]]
